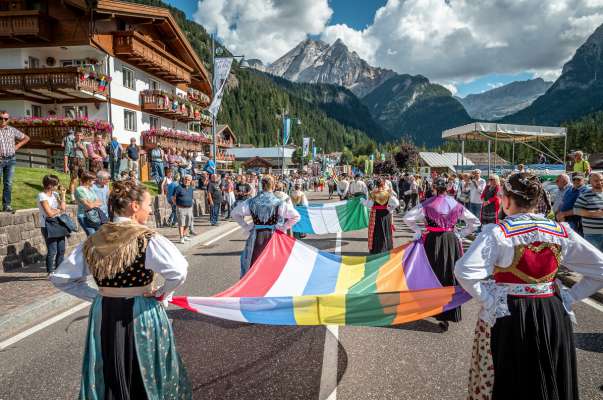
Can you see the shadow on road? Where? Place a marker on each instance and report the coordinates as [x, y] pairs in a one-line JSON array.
[[231, 360], [589, 342]]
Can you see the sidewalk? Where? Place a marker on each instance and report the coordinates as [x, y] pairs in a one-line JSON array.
[[29, 298]]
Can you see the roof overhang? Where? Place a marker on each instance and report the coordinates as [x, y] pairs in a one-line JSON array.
[[165, 22], [484, 131]]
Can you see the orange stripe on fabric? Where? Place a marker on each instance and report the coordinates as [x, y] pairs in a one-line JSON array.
[[391, 274], [420, 304]]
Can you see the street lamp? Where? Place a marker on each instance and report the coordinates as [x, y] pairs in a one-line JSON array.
[[284, 116], [242, 64]]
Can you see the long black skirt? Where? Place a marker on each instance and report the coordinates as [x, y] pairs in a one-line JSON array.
[[262, 238], [382, 232], [121, 369], [443, 250], [533, 351]]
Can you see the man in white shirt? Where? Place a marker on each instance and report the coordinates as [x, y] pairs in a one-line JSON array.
[[358, 188], [343, 188], [476, 187], [563, 183], [101, 188]]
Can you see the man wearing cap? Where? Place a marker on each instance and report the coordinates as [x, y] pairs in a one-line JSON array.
[[566, 211], [11, 140]]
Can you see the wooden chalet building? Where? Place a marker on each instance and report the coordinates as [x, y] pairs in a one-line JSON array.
[[94, 65]]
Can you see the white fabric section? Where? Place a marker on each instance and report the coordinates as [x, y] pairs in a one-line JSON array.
[[295, 275], [330, 221], [220, 307], [318, 223]]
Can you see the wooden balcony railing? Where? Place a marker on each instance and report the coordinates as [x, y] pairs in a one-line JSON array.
[[147, 55], [168, 106], [52, 131], [224, 143], [25, 25], [53, 82], [198, 97]]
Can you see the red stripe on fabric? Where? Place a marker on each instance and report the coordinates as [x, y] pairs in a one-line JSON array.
[[182, 302], [266, 269]]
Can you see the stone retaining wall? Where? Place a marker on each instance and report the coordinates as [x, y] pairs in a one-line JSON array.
[[22, 243], [21, 240]]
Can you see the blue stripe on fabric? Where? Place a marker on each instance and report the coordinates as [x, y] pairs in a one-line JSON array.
[[268, 310], [304, 225], [325, 272]]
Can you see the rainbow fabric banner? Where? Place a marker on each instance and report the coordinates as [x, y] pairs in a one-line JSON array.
[[341, 216], [292, 283]]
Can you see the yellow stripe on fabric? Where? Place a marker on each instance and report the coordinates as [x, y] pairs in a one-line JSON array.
[[331, 309], [351, 271], [305, 310]]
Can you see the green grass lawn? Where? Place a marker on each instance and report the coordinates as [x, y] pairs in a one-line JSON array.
[[27, 183]]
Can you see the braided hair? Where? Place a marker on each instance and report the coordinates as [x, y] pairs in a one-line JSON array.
[[124, 193], [524, 188]]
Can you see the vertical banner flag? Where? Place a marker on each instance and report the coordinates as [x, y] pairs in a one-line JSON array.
[[221, 70], [286, 130], [314, 152], [305, 147]]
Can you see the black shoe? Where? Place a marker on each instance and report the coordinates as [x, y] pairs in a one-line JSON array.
[[443, 326], [8, 209]]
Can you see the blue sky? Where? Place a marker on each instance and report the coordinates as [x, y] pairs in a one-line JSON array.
[[451, 42]]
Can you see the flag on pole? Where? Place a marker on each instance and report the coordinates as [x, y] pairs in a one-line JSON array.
[[286, 130], [305, 146], [292, 283], [221, 70], [337, 217], [314, 152]]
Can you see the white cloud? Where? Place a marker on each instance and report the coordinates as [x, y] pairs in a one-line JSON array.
[[494, 85], [460, 40], [447, 41], [264, 29], [450, 86]]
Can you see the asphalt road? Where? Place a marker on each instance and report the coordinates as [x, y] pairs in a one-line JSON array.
[[228, 360]]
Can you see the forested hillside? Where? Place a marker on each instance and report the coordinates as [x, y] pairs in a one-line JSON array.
[[252, 102]]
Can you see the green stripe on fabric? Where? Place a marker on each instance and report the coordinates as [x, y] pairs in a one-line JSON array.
[[357, 308], [352, 216]]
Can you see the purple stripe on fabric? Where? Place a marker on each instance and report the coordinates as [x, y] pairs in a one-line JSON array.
[[417, 271], [459, 297]]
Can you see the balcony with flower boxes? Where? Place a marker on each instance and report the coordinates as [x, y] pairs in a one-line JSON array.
[[49, 132], [54, 84], [25, 26], [169, 106], [175, 139], [149, 56], [198, 97]]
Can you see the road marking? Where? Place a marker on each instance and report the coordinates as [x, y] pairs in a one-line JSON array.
[[594, 304], [221, 236], [330, 355], [10, 341], [42, 325]]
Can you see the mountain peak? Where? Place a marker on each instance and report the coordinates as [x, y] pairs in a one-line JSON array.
[[315, 61]]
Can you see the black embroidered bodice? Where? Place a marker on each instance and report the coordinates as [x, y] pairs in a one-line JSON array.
[[271, 221], [135, 275]]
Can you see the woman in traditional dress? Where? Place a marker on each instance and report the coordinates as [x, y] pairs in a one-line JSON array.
[[130, 351], [524, 344], [440, 214], [268, 213], [298, 198], [491, 201], [381, 203]]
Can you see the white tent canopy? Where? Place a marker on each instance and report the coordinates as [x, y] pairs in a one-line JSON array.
[[504, 132], [491, 131]]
